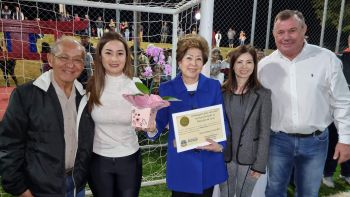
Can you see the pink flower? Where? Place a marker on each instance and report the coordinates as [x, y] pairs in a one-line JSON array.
[[167, 69], [152, 101], [148, 72], [149, 50]]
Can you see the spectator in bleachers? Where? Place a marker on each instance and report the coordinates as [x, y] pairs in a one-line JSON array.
[[231, 35], [216, 66], [68, 17], [122, 27], [194, 31], [18, 14], [111, 25], [218, 38], [99, 26], [8, 68], [7, 65], [348, 48], [61, 16], [76, 17], [141, 33], [242, 38], [88, 29], [88, 61], [164, 31], [180, 32], [6, 13], [45, 50], [346, 62], [213, 40], [127, 34]]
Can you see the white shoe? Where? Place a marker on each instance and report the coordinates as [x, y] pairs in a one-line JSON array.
[[328, 181], [345, 178]]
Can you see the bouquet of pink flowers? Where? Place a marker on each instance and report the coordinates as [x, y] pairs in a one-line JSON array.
[[145, 106], [157, 58]]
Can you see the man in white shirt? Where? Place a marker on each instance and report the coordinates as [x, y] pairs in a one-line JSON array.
[[309, 91], [218, 38]]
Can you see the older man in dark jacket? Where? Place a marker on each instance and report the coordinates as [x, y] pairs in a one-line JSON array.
[[46, 134]]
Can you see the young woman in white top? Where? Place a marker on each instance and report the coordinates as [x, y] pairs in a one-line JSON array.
[[116, 167]]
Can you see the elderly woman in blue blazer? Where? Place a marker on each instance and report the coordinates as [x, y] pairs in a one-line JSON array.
[[248, 107], [192, 172]]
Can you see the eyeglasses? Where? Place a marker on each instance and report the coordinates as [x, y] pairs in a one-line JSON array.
[[66, 59]]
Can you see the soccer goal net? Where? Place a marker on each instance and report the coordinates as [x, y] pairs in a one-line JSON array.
[[28, 28]]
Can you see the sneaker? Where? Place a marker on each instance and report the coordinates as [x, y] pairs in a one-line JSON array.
[[346, 179], [328, 181]]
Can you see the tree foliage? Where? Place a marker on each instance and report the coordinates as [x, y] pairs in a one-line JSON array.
[[333, 13]]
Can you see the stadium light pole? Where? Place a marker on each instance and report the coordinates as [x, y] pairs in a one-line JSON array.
[[268, 27], [117, 16], [252, 31], [340, 25], [324, 17]]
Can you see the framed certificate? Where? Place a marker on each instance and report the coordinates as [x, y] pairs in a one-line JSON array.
[[192, 128]]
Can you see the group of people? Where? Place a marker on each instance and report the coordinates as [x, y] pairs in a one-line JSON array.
[[276, 114], [8, 65], [6, 13], [231, 33]]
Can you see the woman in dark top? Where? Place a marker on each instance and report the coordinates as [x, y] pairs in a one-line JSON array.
[[248, 108]]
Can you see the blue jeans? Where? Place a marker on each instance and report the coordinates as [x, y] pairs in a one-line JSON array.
[[70, 188], [306, 154]]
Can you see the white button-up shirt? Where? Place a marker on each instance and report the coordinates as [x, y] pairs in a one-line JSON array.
[[308, 92]]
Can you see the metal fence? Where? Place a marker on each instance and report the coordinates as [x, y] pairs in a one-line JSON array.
[[32, 26], [147, 24], [328, 22]]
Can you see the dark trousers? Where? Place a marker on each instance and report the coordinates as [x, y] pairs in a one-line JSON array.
[[331, 164], [116, 177], [8, 68], [206, 193]]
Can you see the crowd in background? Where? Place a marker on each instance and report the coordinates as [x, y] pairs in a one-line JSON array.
[[152, 72]]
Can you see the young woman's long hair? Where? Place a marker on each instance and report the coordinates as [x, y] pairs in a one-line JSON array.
[[96, 83], [252, 83]]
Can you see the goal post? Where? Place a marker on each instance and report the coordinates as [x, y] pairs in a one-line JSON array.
[[159, 9], [180, 15]]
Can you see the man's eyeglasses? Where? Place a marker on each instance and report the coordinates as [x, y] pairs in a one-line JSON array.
[[66, 59]]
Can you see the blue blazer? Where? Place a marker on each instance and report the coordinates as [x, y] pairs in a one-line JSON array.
[[191, 171]]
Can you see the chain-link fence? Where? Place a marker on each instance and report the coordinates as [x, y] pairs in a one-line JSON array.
[[27, 28], [238, 15]]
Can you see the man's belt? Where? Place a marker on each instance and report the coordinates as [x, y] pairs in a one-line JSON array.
[[316, 133]]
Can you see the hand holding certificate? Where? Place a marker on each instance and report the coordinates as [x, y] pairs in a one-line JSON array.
[[193, 128]]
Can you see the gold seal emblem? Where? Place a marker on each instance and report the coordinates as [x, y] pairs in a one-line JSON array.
[[184, 121]]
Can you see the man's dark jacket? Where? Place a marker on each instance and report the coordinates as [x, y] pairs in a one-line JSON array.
[[32, 145], [345, 58]]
